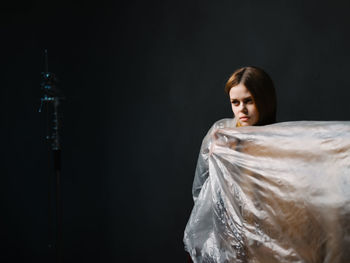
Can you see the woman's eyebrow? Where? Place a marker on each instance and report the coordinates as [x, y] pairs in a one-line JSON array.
[[245, 98]]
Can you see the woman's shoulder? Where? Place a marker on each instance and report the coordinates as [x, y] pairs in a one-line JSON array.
[[225, 123], [221, 124]]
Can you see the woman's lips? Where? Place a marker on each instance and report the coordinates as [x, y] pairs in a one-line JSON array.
[[244, 118]]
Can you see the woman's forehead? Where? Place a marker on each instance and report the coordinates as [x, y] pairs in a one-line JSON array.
[[239, 92]]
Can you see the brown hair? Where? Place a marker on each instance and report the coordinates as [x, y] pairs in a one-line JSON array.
[[260, 85]]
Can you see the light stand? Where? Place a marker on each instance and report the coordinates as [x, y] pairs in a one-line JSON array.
[[51, 100]]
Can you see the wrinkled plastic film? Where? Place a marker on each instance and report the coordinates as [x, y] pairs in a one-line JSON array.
[[275, 193]]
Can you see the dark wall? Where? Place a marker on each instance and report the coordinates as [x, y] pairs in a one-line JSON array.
[[143, 82]]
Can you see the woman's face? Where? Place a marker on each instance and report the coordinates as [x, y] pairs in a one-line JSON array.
[[243, 105]]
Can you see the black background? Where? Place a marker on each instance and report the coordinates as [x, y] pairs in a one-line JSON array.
[[143, 82]]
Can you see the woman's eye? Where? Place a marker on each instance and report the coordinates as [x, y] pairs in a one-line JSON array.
[[235, 102], [248, 101]]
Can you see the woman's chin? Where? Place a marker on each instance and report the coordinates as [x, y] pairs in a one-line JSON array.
[[245, 123]]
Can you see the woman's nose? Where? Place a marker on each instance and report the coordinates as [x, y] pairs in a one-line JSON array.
[[243, 108]]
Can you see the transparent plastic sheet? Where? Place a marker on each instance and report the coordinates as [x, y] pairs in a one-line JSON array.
[[275, 193]]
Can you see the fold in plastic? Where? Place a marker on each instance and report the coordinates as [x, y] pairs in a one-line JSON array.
[[275, 193]]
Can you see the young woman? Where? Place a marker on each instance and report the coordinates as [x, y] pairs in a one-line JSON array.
[[253, 101]]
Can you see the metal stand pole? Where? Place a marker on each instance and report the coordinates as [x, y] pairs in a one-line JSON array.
[[52, 98]]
